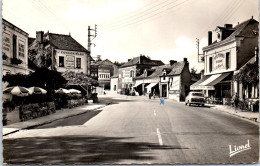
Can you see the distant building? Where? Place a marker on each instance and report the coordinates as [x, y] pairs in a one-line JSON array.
[[175, 83], [106, 69], [229, 48], [114, 83], [133, 68], [61, 52]]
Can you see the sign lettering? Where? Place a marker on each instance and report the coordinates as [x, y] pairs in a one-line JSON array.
[[219, 61]]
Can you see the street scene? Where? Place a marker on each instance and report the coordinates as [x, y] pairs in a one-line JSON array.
[[130, 82]]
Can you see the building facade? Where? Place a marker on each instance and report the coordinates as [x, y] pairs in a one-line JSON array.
[[114, 83], [14, 49], [63, 52], [229, 48], [175, 83], [132, 69], [106, 69]]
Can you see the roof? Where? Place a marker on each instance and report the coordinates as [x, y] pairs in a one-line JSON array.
[[10, 25], [243, 29], [65, 42], [105, 62], [155, 71], [142, 60], [177, 68]]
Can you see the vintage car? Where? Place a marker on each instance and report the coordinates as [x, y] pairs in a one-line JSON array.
[[195, 98]]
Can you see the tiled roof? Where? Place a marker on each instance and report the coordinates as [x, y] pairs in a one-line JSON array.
[[65, 42], [177, 68], [143, 61], [244, 29]]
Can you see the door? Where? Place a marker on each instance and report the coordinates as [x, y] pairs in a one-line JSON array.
[[164, 90]]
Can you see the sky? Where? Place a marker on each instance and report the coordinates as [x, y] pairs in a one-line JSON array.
[[161, 29]]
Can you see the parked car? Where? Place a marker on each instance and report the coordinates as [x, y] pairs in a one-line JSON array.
[[195, 98]]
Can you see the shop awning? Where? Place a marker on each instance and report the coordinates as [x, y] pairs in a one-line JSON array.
[[195, 86], [151, 85], [137, 84], [209, 82]]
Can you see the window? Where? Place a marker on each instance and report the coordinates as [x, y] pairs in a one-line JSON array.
[[78, 63], [132, 73], [164, 74], [14, 46], [210, 64], [227, 60], [21, 49], [61, 61]]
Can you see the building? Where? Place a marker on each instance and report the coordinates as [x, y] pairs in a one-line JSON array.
[[114, 83], [106, 69], [61, 52], [133, 68], [229, 48], [14, 49], [175, 83], [148, 82]]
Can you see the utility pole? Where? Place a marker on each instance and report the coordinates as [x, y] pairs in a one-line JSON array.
[[198, 47], [89, 45]]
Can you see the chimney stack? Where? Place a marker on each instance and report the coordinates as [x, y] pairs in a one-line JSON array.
[[228, 26], [209, 37], [185, 60], [172, 62], [39, 36]]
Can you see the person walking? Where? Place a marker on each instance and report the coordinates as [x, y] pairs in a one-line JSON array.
[[235, 100], [154, 94]]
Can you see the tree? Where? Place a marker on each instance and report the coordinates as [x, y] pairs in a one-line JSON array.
[[193, 70]]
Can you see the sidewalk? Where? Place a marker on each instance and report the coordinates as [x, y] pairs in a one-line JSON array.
[[254, 116], [60, 114]]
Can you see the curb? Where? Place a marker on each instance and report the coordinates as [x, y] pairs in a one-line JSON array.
[[255, 120], [53, 120]]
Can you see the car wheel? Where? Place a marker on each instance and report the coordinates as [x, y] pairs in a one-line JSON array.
[[189, 103], [185, 103], [202, 105]]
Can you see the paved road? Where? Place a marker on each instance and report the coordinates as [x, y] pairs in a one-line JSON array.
[[138, 131]]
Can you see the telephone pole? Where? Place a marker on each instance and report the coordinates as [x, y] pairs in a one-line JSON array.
[[198, 47], [89, 45]]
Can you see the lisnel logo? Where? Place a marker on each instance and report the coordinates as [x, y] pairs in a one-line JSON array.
[[238, 149]]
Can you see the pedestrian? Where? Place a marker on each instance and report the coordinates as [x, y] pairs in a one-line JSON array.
[[162, 101], [154, 94], [235, 100]]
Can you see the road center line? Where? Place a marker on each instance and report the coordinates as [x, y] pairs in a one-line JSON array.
[[159, 137], [154, 113]]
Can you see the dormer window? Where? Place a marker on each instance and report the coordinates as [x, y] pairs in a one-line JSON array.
[[164, 74]]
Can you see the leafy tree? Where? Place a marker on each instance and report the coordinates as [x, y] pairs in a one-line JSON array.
[[193, 70]]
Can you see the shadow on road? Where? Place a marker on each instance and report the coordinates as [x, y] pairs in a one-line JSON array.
[[107, 100], [76, 150]]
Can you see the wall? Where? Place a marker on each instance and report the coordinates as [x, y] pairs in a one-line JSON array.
[[219, 62], [8, 31], [114, 82], [124, 76], [174, 87], [70, 61]]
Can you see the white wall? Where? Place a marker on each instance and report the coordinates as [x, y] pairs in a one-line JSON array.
[[114, 82], [218, 60], [70, 61]]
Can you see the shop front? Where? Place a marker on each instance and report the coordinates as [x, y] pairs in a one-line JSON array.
[[217, 88]]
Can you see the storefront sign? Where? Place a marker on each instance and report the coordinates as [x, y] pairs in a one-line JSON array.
[[218, 61], [70, 62], [70, 52], [127, 80], [174, 92]]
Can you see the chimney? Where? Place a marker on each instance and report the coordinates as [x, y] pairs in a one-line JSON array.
[[172, 62], [209, 37], [128, 60], [185, 60], [252, 17], [39, 36], [228, 26]]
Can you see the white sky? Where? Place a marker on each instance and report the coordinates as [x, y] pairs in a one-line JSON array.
[[162, 29]]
